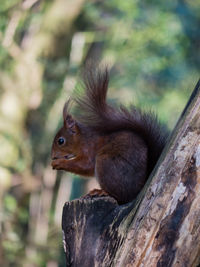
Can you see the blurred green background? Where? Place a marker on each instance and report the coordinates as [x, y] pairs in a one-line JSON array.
[[153, 49]]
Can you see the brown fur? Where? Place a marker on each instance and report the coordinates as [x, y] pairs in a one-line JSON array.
[[119, 146]]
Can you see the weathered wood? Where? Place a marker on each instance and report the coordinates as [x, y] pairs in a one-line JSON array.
[[162, 228]]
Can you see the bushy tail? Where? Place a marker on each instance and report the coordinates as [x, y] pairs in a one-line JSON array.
[[94, 112]]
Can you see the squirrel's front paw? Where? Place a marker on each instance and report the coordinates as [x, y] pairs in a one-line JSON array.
[[95, 193]]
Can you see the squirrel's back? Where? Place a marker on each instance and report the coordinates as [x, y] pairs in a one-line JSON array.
[[103, 118]]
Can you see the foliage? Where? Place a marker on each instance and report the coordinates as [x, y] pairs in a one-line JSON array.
[[152, 49]]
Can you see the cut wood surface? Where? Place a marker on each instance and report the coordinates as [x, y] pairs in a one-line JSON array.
[[162, 228]]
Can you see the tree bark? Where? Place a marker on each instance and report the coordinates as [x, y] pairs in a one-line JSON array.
[[160, 228]]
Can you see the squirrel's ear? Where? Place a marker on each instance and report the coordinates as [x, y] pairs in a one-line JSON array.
[[69, 122], [65, 110]]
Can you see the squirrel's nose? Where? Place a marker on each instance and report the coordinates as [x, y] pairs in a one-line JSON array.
[[53, 154]]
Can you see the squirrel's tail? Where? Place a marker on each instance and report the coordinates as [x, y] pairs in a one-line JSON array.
[[94, 112]]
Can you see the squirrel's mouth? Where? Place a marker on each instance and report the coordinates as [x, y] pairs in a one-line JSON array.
[[68, 157], [58, 163]]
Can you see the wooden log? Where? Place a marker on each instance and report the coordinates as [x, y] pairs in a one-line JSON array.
[[161, 228]]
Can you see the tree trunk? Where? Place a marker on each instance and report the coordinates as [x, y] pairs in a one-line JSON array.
[[160, 228]]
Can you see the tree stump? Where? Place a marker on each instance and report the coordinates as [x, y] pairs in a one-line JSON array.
[[161, 228]]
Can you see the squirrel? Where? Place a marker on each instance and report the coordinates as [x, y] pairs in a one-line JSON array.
[[119, 146]]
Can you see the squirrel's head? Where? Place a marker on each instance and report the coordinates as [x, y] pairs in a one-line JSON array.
[[66, 144]]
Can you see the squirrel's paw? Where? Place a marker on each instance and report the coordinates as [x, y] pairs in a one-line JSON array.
[[95, 193]]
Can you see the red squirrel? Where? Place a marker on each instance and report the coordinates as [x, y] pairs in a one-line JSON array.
[[119, 146]]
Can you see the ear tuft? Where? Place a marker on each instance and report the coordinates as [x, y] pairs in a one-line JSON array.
[[69, 122], [66, 109]]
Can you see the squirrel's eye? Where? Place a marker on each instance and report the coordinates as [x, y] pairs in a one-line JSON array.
[[61, 141]]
